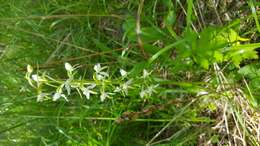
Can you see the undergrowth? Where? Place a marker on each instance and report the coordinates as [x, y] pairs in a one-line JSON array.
[[96, 73]]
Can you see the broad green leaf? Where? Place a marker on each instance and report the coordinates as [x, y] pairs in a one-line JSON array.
[[204, 63], [239, 53], [251, 71]]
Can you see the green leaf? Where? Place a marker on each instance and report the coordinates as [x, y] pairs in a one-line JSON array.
[[218, 56], [239, 53], [170, 18], [251, 71], [204, 63], [129, 28], [164, 50], [189, 13]]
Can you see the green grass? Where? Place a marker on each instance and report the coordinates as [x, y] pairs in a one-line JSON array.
[[203, 69]]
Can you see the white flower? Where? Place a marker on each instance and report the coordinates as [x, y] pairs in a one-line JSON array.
[[143, 93], [29, 69], [88, 90], [123, 73], [146, 73], [148, 91], [68, 67], [100, 74], [41, 96], [118, 89], [98, 68], [67, 85], [151, 89], [36, 78], [104, 95], [124, 87], [58, 95], [100, 77]]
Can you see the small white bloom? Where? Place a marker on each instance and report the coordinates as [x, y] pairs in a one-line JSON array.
[[100, 74], [58, 95], [148, 91], [88, 90], [68, 67], [123, 73], [36, 78], [118, 89], [100, 77], [104, 95], [151, 89], [143, 93], [146, 73], [67, 87], [41, 96], [98, 67], [124, 87], [29, 69]]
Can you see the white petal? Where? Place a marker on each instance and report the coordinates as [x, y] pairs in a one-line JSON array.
[[56, 96], [100, 77], [97, 67], [117, 89], [67, 87], [123, 72], [64, 96], [68, 67], [146, 73], [87, 94], [103, 96], [35, 77], [142, 94], [29, 68], [104, 74], [91, 86], [41, 96]]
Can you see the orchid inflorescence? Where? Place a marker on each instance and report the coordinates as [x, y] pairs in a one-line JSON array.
[[102, 84]]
